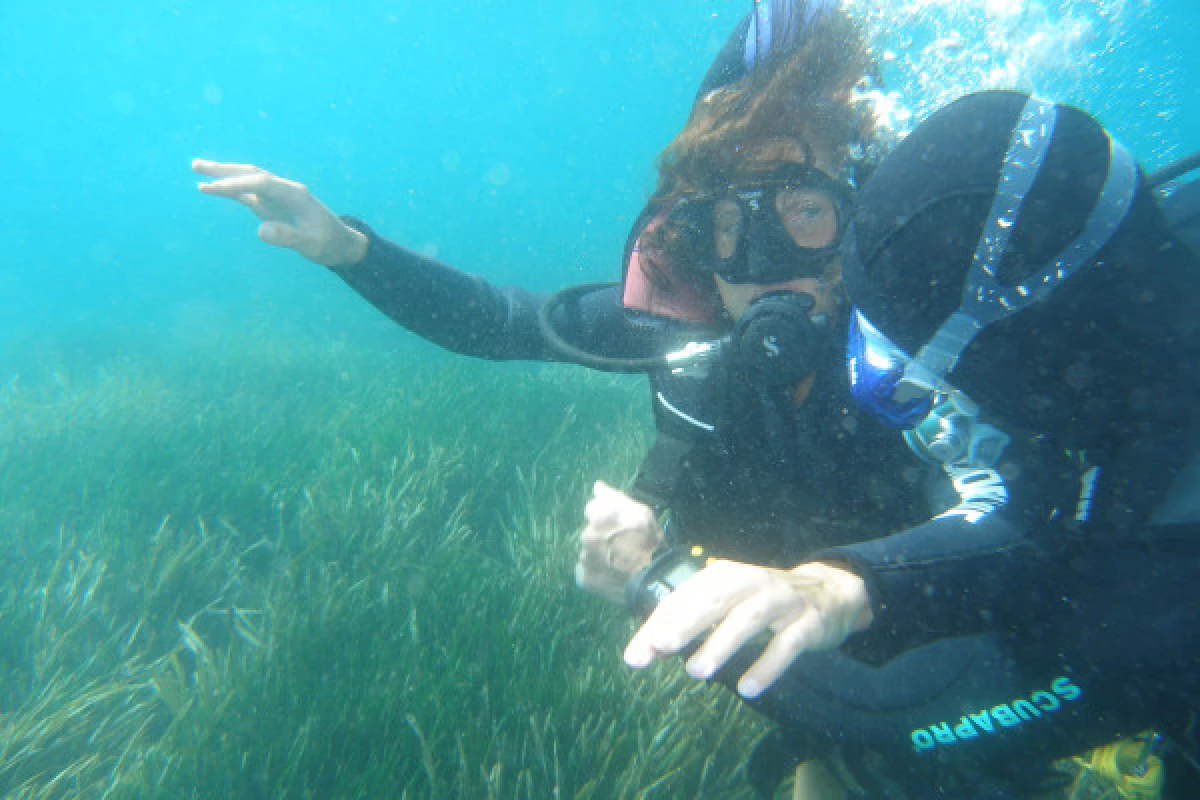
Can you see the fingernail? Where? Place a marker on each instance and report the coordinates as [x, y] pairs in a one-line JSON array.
[[637, 658], [749, 688], [268, 232], [701, 669]]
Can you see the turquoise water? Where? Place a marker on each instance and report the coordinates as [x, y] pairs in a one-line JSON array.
[[255, 541], [514, 139]]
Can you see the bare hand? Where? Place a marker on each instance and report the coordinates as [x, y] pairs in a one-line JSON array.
[[291, 216], [813, 607], [618, 542]]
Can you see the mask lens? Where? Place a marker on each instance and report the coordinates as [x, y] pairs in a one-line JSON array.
[[809, 216], [728, 227], [785, 226]]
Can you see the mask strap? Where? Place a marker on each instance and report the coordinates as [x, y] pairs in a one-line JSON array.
[[1031, 139], [985, 300], [952, 433], [1115, 200]]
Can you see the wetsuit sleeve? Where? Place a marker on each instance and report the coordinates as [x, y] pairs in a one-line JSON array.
[[1113, 653], [951, 576], [459, 312], [975, 569]]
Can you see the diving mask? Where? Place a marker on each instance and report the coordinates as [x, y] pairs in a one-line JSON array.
[[785, 226]]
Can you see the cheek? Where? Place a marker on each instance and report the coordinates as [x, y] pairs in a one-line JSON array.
[[735, 298]]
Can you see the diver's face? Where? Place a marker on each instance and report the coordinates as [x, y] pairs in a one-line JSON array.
[[737, 296], [807, 215]]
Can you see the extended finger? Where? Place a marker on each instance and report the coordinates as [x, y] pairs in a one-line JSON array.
[[259, 183], [666, 632], [250, 201], [747, 619], [804, 635], [697, 605], [640, 652], [219, 169], [668, 629]]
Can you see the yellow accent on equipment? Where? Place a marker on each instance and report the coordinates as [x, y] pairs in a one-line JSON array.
[[1127, 769]]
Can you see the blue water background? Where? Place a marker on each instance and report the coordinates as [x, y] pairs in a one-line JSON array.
[[513, 139]]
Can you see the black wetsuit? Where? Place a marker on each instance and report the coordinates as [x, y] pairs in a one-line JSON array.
[[1117, 652]]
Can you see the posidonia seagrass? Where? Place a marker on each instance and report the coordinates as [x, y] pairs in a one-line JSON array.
[[275, 569]]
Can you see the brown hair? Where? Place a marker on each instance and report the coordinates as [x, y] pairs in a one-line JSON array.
[[805, 95]]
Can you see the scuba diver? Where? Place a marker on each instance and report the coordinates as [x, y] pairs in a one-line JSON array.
[[1024, 318]]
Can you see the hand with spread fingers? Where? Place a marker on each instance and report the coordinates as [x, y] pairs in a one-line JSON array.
[[291, 216], [812, 607], [618, 542]]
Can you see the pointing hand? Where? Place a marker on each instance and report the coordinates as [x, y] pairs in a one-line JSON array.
[[291, 216]]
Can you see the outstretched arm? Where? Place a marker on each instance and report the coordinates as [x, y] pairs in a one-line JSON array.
[[454, 310]]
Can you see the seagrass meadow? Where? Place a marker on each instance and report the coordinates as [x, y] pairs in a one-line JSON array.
[[269, 568]]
